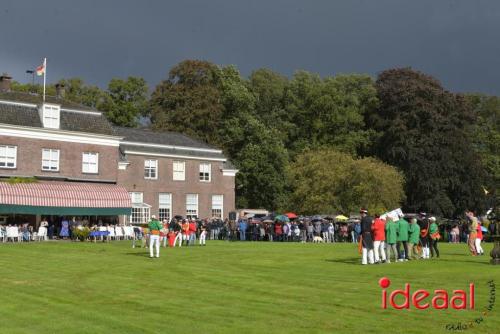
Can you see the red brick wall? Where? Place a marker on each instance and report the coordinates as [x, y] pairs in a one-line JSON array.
[[133, 180], [29, 158]]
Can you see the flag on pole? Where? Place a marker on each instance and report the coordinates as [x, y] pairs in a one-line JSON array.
[[40, 70]]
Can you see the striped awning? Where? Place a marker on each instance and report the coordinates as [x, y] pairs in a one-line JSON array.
[[64, 198]]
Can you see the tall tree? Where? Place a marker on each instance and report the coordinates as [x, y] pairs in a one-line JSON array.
[[126, 101], [189, 100], [255, 149], [330, 111], [269, 89], [486, 141], [424, 131], [329, 181]]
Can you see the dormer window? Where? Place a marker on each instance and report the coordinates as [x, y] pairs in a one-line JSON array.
[[51, 116]]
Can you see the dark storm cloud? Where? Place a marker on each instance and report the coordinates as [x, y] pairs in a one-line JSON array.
[[456, 41]]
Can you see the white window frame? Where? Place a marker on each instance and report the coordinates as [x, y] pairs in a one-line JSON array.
[[136, 197], [205, 172], [140, 211], [51, 162], [165, 206], [51, 116], [178, 173], [217, 204], [192, 205], [8, 156], [150, 166], [86, 162], [140, 214]]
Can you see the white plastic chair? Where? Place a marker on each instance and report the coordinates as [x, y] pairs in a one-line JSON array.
[[111, 230], [118, 232], [13, 234]]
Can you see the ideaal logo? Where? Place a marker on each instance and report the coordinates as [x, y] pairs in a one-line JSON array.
[[479, 319], [460, 300]]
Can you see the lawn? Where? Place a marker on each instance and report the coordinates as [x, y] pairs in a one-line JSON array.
[[64, 287]]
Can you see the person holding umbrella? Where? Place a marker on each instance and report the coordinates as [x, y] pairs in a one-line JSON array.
[[366, 238]]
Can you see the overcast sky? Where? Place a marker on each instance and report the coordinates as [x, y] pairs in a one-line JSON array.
[[456, 41]]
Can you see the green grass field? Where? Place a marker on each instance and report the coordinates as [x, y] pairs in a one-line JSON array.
[[64, 287]]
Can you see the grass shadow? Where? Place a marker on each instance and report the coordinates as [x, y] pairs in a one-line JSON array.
[[354, 260], [466, 261], [145, 254]]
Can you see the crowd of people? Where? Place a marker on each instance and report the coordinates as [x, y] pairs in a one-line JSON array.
[[408, 240], [396, 237]]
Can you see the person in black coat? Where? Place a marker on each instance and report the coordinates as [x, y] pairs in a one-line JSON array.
[[424, 225], [366, 237]]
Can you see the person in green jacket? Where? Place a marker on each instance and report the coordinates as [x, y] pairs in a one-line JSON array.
[[154, 238], [402, 227], [434, 234], [413, 238], [391, 236]]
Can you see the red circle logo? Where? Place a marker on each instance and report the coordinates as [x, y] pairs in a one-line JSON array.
[[384, 282]]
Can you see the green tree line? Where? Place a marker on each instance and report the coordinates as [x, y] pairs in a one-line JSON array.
[[329, 144]]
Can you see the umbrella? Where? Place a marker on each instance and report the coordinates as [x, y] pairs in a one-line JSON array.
[[316, 218], [291, 215], [282, 218], [255, 221], [268, 221], [484, 229], [341, 218]]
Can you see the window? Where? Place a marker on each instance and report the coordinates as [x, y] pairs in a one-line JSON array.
[[51, 116], [150, 169], [165, 206], [179, 170], [217, 206], [50, 159], [205, 172], [192, 205], [8, 156], [136, 197], [140, 211], [140, 214], [90, 162]]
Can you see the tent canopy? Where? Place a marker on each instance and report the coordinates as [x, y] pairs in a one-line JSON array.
[[64, 198]]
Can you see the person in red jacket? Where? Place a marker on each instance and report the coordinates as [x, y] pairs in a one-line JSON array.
[[479, 238], [278, 231], [193, 226], [185, 232], [378, 231]]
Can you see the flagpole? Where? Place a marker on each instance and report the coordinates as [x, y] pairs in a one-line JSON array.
[[44, 76]]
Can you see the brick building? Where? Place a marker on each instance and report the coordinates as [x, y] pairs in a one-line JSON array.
[[62, 143]]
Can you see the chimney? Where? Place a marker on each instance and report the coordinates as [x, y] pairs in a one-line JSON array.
[[60, 90], [5, 80]]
